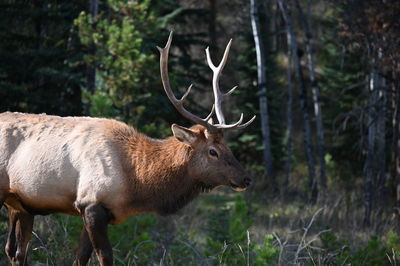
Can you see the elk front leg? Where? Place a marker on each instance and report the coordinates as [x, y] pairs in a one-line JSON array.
[[96, 219], [84, 250], [19, 234]]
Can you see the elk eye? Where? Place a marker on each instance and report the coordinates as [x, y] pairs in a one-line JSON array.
[[213, 153]]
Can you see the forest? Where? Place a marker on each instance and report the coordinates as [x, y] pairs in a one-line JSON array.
[[321, 76]]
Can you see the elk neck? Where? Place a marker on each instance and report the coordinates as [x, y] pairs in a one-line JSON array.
[[158, 171]]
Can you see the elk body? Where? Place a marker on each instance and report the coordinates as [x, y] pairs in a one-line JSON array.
[[106, 171]]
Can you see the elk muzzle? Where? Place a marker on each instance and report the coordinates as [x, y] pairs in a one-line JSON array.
[[240, 184]]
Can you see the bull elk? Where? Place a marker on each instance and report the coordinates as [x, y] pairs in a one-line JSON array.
[[106, 171]]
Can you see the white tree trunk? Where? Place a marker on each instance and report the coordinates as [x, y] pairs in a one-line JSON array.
[[369, 165], [381, 139], [261, 80], [289, 115], [316, 98]]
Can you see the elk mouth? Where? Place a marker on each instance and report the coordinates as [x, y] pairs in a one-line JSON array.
[[237, 188], [204, 188], [244, 184]]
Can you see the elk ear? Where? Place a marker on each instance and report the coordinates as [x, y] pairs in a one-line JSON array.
[[184, 134]]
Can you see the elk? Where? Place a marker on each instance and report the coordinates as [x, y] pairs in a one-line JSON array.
[[106, 171]]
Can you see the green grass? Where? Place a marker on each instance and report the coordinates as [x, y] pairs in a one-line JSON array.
[[225, 228]]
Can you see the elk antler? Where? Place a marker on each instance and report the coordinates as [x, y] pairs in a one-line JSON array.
[[165, 81], [178, 103], [218, 96]]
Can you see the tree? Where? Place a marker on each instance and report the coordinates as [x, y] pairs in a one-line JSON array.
[[308, 147], [305, 20], [289, 113], [262, 85]]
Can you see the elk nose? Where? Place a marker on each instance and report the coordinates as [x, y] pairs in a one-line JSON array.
[[247, 181]]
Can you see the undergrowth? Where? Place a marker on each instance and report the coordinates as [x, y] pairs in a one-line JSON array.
[[217, 229]]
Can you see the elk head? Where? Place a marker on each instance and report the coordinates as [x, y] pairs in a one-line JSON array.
[[212, 162]]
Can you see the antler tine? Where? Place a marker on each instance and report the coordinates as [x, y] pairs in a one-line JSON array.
[[224, 126], [164, 52], [225, 57], [186, 93], [247, 123], [237, 125], [230, 91], [178, 104], [210, 114]]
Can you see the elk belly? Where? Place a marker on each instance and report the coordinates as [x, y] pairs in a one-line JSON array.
[[42, 176]]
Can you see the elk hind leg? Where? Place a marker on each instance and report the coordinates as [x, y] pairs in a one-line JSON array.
[[20, 231], [11, 246]]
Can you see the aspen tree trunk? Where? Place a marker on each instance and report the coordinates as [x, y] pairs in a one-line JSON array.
[[369, 165], [316, 97], [381, 139], [303, 100], [262, 86], [375, 163], [289, 115]]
